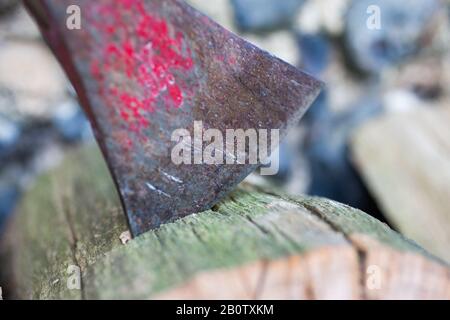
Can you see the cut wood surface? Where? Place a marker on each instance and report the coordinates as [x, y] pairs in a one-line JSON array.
[[254, 244], [405, 160]]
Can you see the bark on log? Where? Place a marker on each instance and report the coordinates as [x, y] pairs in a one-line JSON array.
[[405, 160], [254, 244]]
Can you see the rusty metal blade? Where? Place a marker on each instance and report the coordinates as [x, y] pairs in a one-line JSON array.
[[143, 69]]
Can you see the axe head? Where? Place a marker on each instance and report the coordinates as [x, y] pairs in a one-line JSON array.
[[143, 69]]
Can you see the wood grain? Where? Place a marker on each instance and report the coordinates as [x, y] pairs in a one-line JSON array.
[[405, 160], [253, 245]]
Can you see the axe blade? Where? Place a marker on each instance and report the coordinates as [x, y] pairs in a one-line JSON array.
[[145, 68]]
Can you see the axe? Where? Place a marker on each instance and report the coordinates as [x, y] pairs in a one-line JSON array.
[[144, 69]]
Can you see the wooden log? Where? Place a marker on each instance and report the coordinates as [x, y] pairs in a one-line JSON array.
[[405, 160], [254, 244]]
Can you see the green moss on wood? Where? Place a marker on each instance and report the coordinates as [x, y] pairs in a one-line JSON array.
[[73, 216]]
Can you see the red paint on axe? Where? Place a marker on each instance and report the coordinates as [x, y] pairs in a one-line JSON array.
[[144, 68], [148, 55]]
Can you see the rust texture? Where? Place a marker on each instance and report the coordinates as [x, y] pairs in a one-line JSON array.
[[143, 69]]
